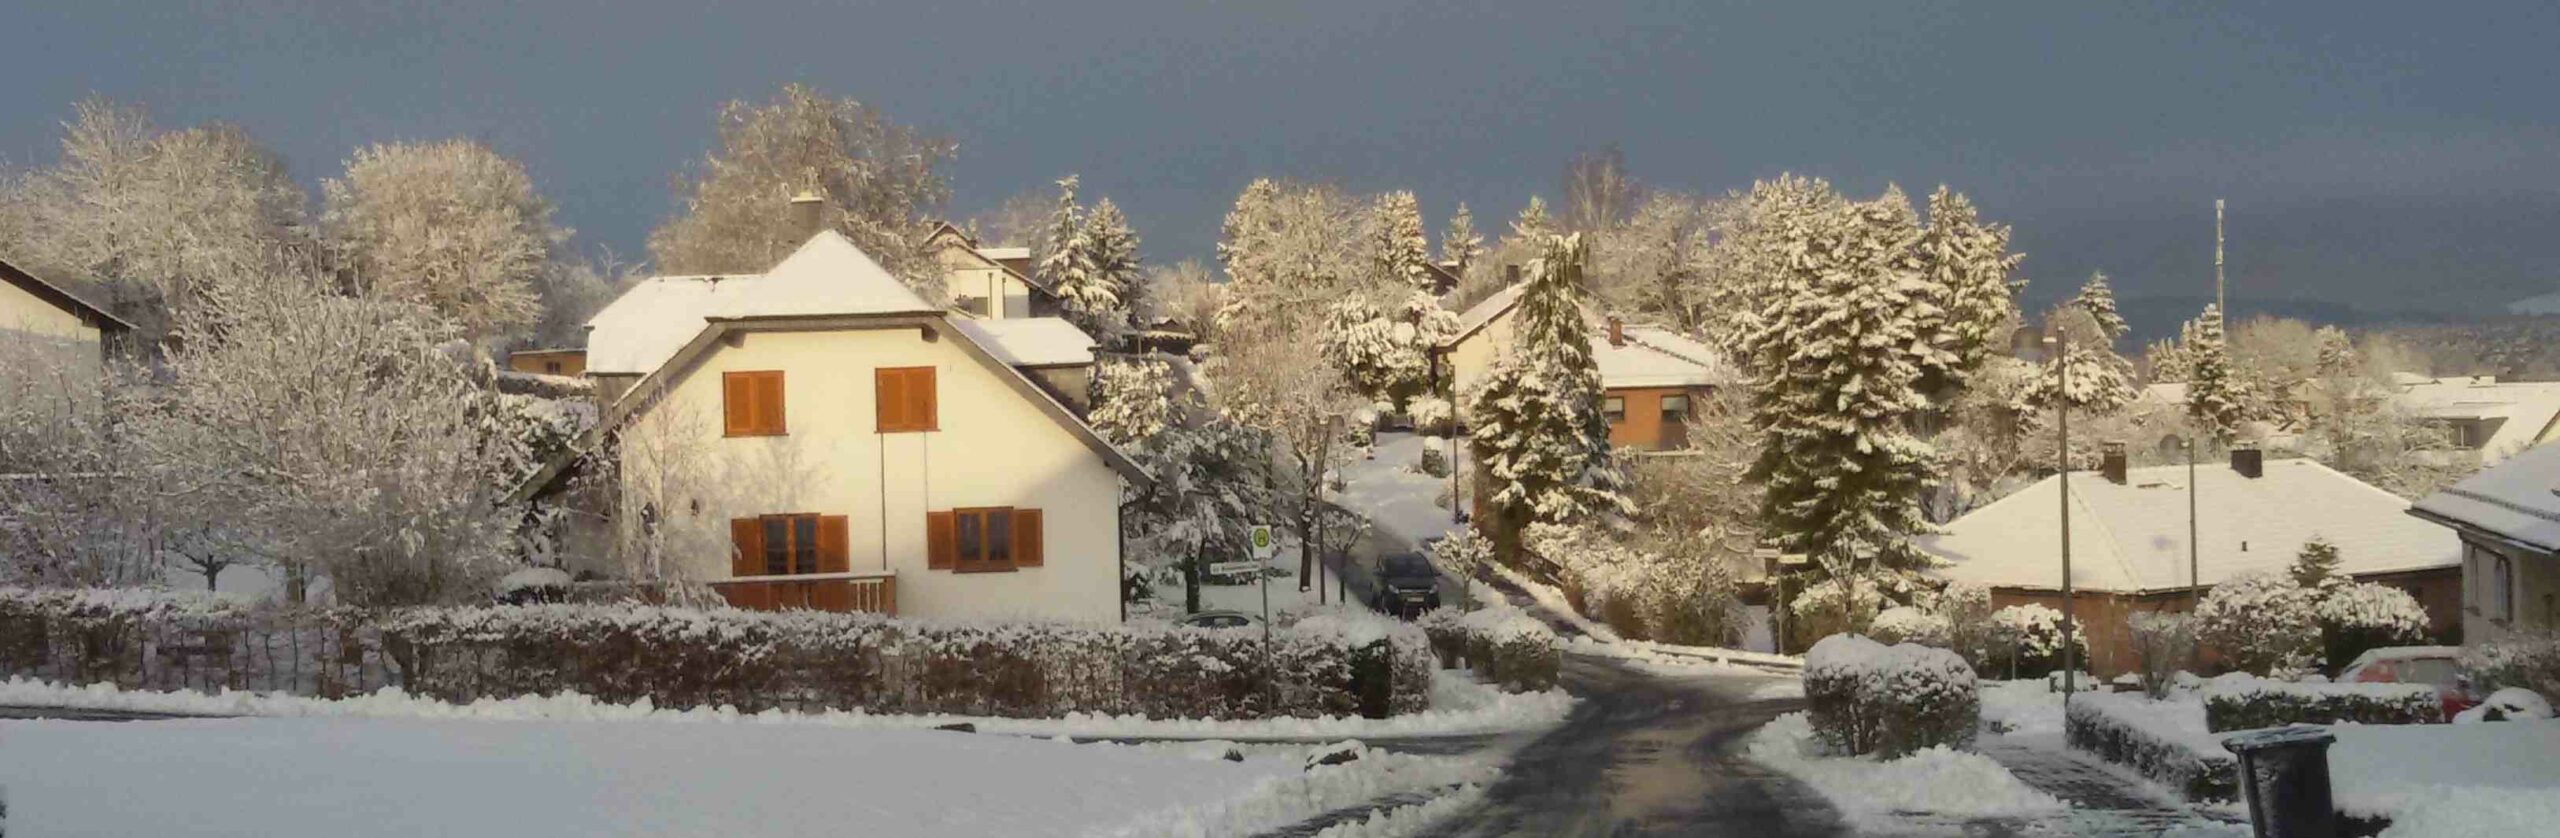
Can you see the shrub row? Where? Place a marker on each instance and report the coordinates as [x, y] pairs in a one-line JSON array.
[[1866, 697], [1329, 664], [1502, 643], [2243, 702], [2124, 728], [2529, 660]]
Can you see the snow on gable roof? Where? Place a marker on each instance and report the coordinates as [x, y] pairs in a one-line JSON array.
[[644, 327], [1031, 341], [1003, 253], [2133, 537], [827, 276], [2526, 408], [2514, 501], [1482, 314]]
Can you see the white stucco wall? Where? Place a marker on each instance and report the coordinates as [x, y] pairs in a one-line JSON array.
[[974, 278], [994, 448], [2532, 602]]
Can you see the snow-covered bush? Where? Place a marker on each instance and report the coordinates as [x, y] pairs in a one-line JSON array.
[[2510, 704], [1866, 697], [2530, 660], [1433, 416], [1338, 662], [2261, 622], [1446, 628], [2151, 738], [2359, 616], [1512, 649], [1966, 608], [2162, 642], [1908, 624], [2241, 702], [2026, 641], [1463, 554]]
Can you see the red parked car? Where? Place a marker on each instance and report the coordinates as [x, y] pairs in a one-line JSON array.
[[2437, 666]]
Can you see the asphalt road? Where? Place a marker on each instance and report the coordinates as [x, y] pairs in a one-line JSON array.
[[1648, 755]]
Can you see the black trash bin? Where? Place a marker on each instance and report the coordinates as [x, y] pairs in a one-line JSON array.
[[2284, 773]]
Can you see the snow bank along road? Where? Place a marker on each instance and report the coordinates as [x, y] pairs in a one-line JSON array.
[[1649, 754]]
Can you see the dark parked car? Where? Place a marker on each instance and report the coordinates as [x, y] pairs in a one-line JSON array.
[[1407, 585]]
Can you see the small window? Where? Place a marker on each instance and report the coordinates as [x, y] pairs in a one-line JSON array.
[[2500, 604], [984, 539], [551, 367], [905, 401], [1615, 408], [751, 403], [790, 544], [1675, 409]]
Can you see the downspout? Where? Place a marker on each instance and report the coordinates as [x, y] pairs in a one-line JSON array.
[[1120, 545]]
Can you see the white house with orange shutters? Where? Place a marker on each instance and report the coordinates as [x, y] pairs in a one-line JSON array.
[[820, 436]]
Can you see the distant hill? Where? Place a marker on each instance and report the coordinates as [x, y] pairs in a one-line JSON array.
[[2158, 317]]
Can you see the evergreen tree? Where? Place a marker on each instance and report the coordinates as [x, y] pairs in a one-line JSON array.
[[1064, 258], [1402, 254], [2216, 395], [1966, 267], [1540, 438], [2101, 381], [1834, 381], [2338, 355], [1103, 299], [2099, 300], [1132, 399], [2316, 565], [1460, 245], [1533, 226]]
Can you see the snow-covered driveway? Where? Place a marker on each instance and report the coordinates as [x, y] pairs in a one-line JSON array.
[[390, 777]]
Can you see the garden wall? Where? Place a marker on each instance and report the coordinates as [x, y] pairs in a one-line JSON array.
[[1330, 664]]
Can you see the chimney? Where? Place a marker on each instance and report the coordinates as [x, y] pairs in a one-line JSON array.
[[2248, 461], [1617, 331], [805, 216], [2111, 462]]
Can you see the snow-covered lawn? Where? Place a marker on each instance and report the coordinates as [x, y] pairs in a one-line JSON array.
[[1247, 598], [1935, 785], [379, 776], [1460, 706]]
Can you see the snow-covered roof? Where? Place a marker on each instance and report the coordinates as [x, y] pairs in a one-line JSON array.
[[1482, 314], [2514, 500], [2133, 537], [1003, 253], [828, 275], [1656, 357], [1031, 341], [2527, 408], [61, 291], [644, 327]]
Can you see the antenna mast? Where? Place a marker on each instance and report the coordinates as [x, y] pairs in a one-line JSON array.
[[2219, 304]]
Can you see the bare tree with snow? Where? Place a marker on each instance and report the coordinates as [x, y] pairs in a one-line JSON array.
[[450, 225]]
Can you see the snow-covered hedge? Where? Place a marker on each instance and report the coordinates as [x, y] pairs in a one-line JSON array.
[[2238, 701], [1512, 649], [1329, 664], [2157, 739], [1866, 697], [2530, 661], [2026, 642], [1907, 624]]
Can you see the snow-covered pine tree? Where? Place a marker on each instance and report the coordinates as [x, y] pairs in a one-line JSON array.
[[1834, 379], [2217, 397], [2101, 382], [1966, 265], [1402, 254], [1539, 438], [1101, 300], [1065, 257], [2316, 564], [2099, 299], [2338, 357], [1460, 245], [1213, 482], [1533, 226]]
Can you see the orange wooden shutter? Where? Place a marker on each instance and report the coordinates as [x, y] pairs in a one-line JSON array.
[[922, 409], [769, 416], [1026, 538], [833, 550], [737, 403], [746, 547], [941, 540], [888, 394]]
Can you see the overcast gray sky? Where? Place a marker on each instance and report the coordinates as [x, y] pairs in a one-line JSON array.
[[2380, 155]]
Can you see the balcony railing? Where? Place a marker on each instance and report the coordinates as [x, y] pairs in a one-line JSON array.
[[870, 591]]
